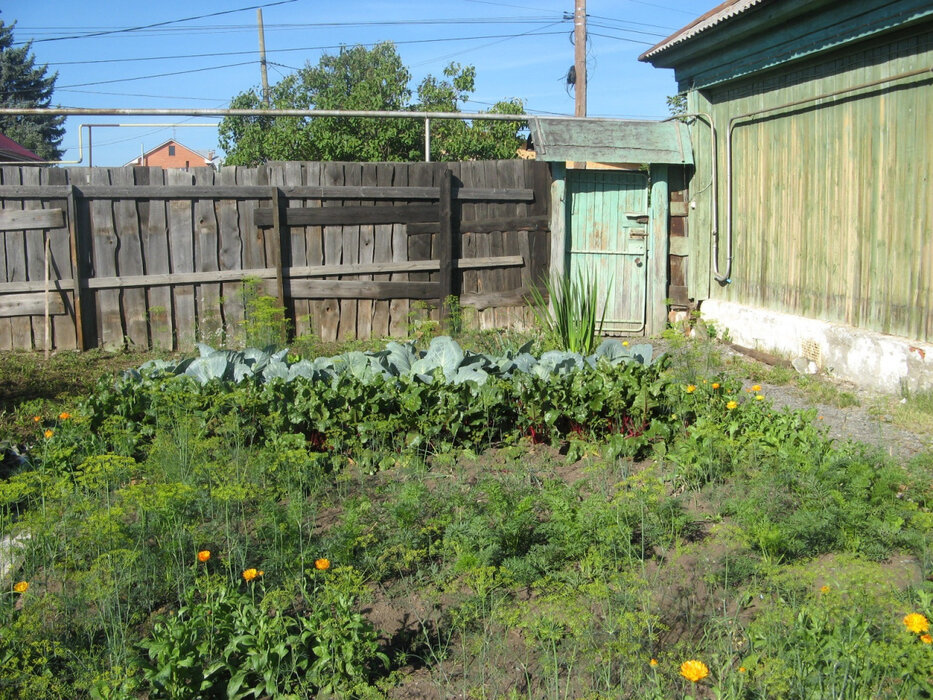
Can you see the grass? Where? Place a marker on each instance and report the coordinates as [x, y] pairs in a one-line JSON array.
[[738, 537]]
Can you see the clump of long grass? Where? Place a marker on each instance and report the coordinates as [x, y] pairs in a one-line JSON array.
[[570, 316]]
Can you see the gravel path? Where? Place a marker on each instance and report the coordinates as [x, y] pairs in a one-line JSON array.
[[854, 423]]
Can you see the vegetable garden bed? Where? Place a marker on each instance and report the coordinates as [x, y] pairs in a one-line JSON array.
[[439, 523]]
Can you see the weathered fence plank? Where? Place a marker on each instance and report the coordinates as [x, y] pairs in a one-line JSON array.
[[349, 307], [181, 247], [333, 255], [63, 327], [104, 244], [130, 262], [156, 254]]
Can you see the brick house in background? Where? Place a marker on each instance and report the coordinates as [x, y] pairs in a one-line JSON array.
[[173, 154]]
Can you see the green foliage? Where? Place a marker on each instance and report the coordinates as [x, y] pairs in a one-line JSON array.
[[25, 85], [365, 79], [570, 315], [224, 643], [750, 541]]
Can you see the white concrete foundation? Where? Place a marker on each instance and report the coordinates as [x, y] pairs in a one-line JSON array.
[[870, 360]]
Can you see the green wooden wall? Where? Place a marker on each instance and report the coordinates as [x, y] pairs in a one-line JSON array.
[[832, 199]]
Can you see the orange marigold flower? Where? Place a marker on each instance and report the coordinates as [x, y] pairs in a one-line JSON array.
[[916, 623], [250, 574], [48, 433], [741, 669], [756, 387], [37, 418], [691, 388], [204, 555], [732, 405], [322, 564], [715, 385], [926, 638], [693, 670], [261, 572], [21, 587], [64, 415], [653, 662], [824, 589]]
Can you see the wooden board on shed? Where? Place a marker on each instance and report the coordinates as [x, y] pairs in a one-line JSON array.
[[130, 262], [104, 256], [155, 247], [181, 245]]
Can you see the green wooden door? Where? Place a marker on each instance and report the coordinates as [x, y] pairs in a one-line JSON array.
[[604, 208]]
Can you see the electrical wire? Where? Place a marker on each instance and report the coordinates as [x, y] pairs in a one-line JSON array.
[[156, 24], [158, 75]]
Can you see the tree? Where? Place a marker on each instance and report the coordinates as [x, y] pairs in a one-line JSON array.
[[366, 80], [24, 85]]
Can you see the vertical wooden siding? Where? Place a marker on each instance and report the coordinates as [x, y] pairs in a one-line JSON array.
[[832, 200]]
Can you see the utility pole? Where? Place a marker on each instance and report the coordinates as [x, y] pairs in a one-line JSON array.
[[262, 58], [579, 57]]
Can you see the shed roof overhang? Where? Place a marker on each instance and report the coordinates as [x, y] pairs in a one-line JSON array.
[[611, 141], [742, 37]]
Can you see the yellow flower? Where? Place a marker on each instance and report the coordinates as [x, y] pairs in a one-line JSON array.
[[64, 415], [824, 589], [653, 662], [250, 574], [759, 397], [732, 405], [322, 564], [624, 343], [261, 572], [21, 587], [204, 555], [691, 388], [741, 669], [756, 387], [48, 433], [715, 385], [694, 670], [917, 623], [37, 418], [926, 638]]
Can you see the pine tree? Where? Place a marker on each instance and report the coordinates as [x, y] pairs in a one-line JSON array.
[[24, 85]]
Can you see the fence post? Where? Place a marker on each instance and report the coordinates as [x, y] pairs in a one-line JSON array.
[[76, 258], [445, 243]]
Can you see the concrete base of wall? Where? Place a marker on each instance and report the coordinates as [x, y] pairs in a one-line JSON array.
[[870, 360]]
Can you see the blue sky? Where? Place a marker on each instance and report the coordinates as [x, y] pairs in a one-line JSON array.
[[521, 48]]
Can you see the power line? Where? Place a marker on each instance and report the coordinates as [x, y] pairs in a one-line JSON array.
[[622, 38], [225, 29], [157, 75], [292, 50], [666, 28], [156, 24]]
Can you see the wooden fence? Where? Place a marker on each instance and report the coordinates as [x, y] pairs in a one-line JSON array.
[[149, 258]]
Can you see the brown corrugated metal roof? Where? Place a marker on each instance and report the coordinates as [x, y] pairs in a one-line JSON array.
[[719, 14]]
